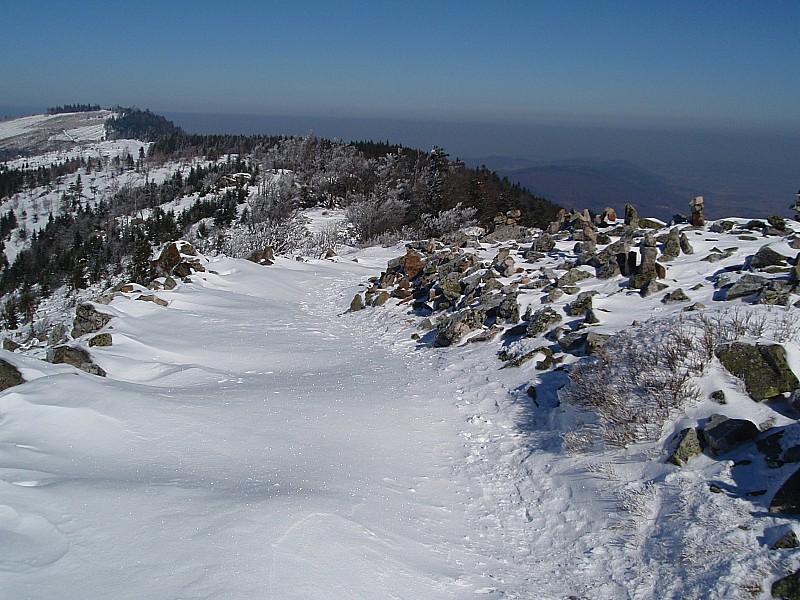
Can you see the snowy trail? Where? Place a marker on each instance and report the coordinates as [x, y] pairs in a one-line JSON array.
[[253, 441]]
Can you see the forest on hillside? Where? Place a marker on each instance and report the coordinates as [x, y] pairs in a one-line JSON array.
[[246, 193]]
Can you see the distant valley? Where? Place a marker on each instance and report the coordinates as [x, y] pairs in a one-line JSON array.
[[660, 191]]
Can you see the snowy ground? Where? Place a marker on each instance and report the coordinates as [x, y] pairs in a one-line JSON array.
[[253, 440]]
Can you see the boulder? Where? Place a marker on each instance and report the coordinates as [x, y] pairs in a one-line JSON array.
[[767, 257], [101, 339], [77, 357], [178, 258], [722, 433], [762, 367], [544, 243], [787, 499], [631, 216], [89, 320], [787, 588], [9, 375], [675, 296], [542, 320], [357, 303], [747, 285], [457, 326], [687, 445]]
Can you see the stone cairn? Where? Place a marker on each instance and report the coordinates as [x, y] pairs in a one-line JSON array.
[[698, 219]]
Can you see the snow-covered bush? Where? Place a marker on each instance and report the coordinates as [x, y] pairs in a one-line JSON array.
[[447, 221], [284, 235], [377, 215]]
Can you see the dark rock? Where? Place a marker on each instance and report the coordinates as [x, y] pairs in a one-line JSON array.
[[9, 375], [89, 320], [675, 296], [718, 396], [767, 257], [357, 303], [787, 499], [542, 320], [762, 367], [687, 445], [722, 433], [747, 285], [787, 588], [457, 326], [787, 541], [77, 357]]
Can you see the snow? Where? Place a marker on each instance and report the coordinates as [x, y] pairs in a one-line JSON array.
[[253, 439]]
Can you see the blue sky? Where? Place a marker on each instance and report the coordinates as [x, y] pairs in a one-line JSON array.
[[733, 64]]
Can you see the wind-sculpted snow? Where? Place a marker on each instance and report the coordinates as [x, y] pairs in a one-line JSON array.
[[255, 439]]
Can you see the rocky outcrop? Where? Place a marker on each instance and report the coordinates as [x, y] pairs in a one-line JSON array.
[[9, 375], [179, 259], [89, 320], [455, 327], [762, 367], [77, 357]]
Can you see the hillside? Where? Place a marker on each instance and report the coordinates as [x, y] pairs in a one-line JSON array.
[[596, 408]]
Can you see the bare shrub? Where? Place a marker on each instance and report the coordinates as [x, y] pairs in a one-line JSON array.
[[637, 381]]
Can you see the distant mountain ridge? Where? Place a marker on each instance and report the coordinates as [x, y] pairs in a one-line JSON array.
[[659, 191]]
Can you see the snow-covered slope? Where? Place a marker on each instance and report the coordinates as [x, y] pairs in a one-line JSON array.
[[255, 440]]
